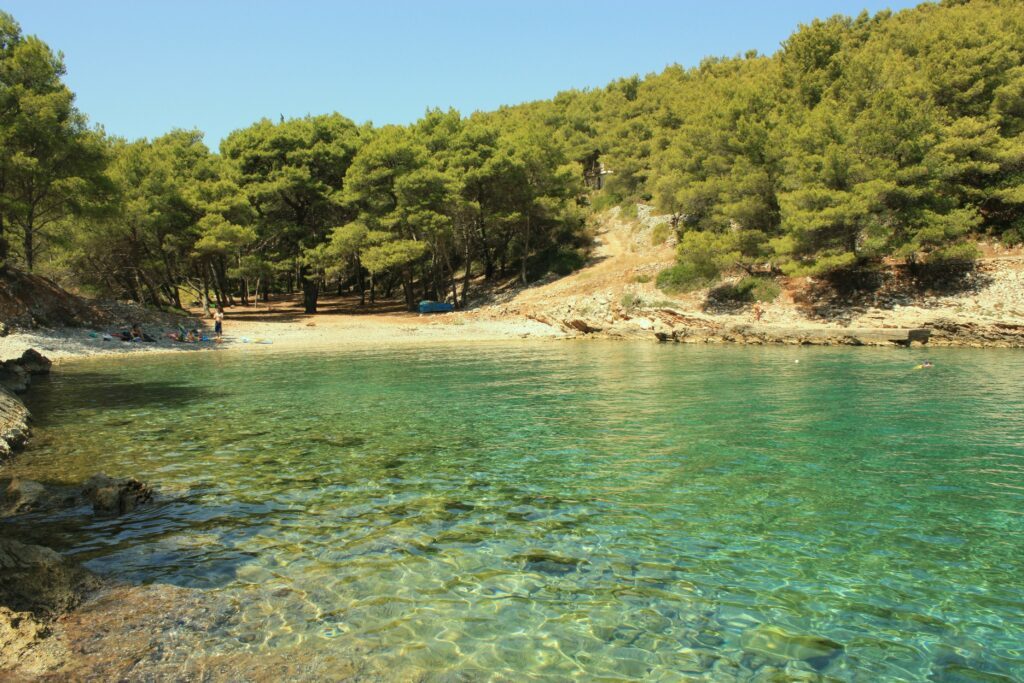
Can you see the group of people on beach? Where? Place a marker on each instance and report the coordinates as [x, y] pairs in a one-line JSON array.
[[182, 335], [133, 334], [195, 335]]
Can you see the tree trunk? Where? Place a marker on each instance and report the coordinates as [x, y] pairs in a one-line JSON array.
[[221, 282], [407, 286], [4, 247], [467, 274], [361, 282], [29, 248], [206, 289], [526, 247], [488, 256], [310, 290]]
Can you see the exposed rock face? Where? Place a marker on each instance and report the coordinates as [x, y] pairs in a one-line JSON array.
[[20, 634], [38, 580], [36, 586], [111, 496], [950, 332], [14, 428]]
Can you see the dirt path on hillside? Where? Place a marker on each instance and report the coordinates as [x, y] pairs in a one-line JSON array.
[[624, 259]]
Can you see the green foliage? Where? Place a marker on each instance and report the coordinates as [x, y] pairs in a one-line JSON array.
[[560, 260], [629, 210], [682, 277], [631, 301], [898, 135], [51, 162], [602, 201], [393, 253], [660, 234], [748, 290], [706, 254]]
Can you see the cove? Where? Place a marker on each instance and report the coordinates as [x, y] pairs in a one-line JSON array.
[[567, 510]]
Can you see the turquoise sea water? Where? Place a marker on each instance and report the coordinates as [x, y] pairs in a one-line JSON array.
[[570, 510]]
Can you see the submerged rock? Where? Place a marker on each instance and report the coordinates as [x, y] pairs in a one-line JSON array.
[[549, 563], [112, 496], [19, 495], [777, 644]]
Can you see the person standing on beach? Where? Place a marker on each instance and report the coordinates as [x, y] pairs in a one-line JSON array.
[[218, 322]]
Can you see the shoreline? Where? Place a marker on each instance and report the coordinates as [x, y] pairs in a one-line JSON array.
[[332, 331]]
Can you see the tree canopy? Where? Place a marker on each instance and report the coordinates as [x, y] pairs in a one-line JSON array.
[[886, 136]]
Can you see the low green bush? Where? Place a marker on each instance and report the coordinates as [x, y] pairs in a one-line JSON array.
[[682, 277], [600, 201], [560, 260], [660, 233], [747, 290], [631, 301]]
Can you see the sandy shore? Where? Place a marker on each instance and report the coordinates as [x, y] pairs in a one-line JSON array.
[[279, 327]]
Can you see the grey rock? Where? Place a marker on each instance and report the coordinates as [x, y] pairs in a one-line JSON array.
[[14, 377], [14, 428], [35, 363], [110, 496]]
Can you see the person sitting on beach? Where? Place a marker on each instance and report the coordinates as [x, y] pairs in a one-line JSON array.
[[137, 335]]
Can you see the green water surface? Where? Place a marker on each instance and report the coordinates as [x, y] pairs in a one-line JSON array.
[[569, 510]]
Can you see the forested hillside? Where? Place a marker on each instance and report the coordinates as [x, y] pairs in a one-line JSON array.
[[887, 136]]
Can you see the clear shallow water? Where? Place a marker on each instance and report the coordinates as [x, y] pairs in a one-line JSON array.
[[563, 510]]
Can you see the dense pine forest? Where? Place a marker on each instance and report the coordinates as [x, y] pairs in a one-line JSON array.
[[893, 136]]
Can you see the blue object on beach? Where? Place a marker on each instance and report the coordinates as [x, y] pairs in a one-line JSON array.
[[436, 307]]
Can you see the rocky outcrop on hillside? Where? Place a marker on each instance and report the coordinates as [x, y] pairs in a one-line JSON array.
[[28, 301], [616, 296]]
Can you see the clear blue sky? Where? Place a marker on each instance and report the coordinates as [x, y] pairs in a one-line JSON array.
[[143, 67]]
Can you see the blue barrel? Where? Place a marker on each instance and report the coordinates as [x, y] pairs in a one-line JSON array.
[[436, 307]]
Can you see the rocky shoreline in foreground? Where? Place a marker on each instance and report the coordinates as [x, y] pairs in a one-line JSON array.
[[38, 586]]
